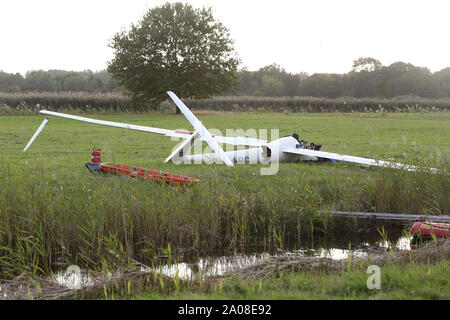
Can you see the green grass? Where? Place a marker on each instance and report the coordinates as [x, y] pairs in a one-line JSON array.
[[54, 213], [410, 281], [375, 135]]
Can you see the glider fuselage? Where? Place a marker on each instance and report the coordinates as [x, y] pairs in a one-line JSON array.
[[270, 152]]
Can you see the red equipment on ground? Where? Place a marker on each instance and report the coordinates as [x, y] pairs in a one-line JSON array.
[[95, 155], [175, 179], [427, 229], [148, 174]]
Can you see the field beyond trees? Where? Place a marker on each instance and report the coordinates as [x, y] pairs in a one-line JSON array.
[[111, 102]]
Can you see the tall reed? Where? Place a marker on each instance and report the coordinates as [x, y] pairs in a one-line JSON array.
[[32, 102], [50, 219]]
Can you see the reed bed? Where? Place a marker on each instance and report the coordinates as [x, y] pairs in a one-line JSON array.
[[32, 102], [49, 219], [313, 104]]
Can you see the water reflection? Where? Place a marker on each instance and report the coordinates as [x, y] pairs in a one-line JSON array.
[[73, 278], [206, 267], [343, 238]]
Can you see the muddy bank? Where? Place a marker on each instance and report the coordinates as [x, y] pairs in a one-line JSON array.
[[126, 282], [427, 253]]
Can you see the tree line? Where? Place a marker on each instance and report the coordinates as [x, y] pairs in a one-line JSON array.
[[58, 81], [367, 78]]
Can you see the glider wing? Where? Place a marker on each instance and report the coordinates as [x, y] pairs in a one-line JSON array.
[[353, 159]]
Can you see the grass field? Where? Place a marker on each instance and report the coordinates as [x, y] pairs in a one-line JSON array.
[[55, 213], [377, 135]]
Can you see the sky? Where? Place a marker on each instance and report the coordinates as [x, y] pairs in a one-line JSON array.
[[322, 36]]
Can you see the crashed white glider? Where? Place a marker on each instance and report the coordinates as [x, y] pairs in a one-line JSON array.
[[286, 149]]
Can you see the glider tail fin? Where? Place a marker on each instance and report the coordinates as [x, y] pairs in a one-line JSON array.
[[184, 148], [198, 126]]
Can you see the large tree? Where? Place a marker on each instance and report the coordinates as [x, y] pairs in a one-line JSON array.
[[174, 47], [366, 64]]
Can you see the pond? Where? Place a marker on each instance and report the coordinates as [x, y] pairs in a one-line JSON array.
[[343, 238]]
